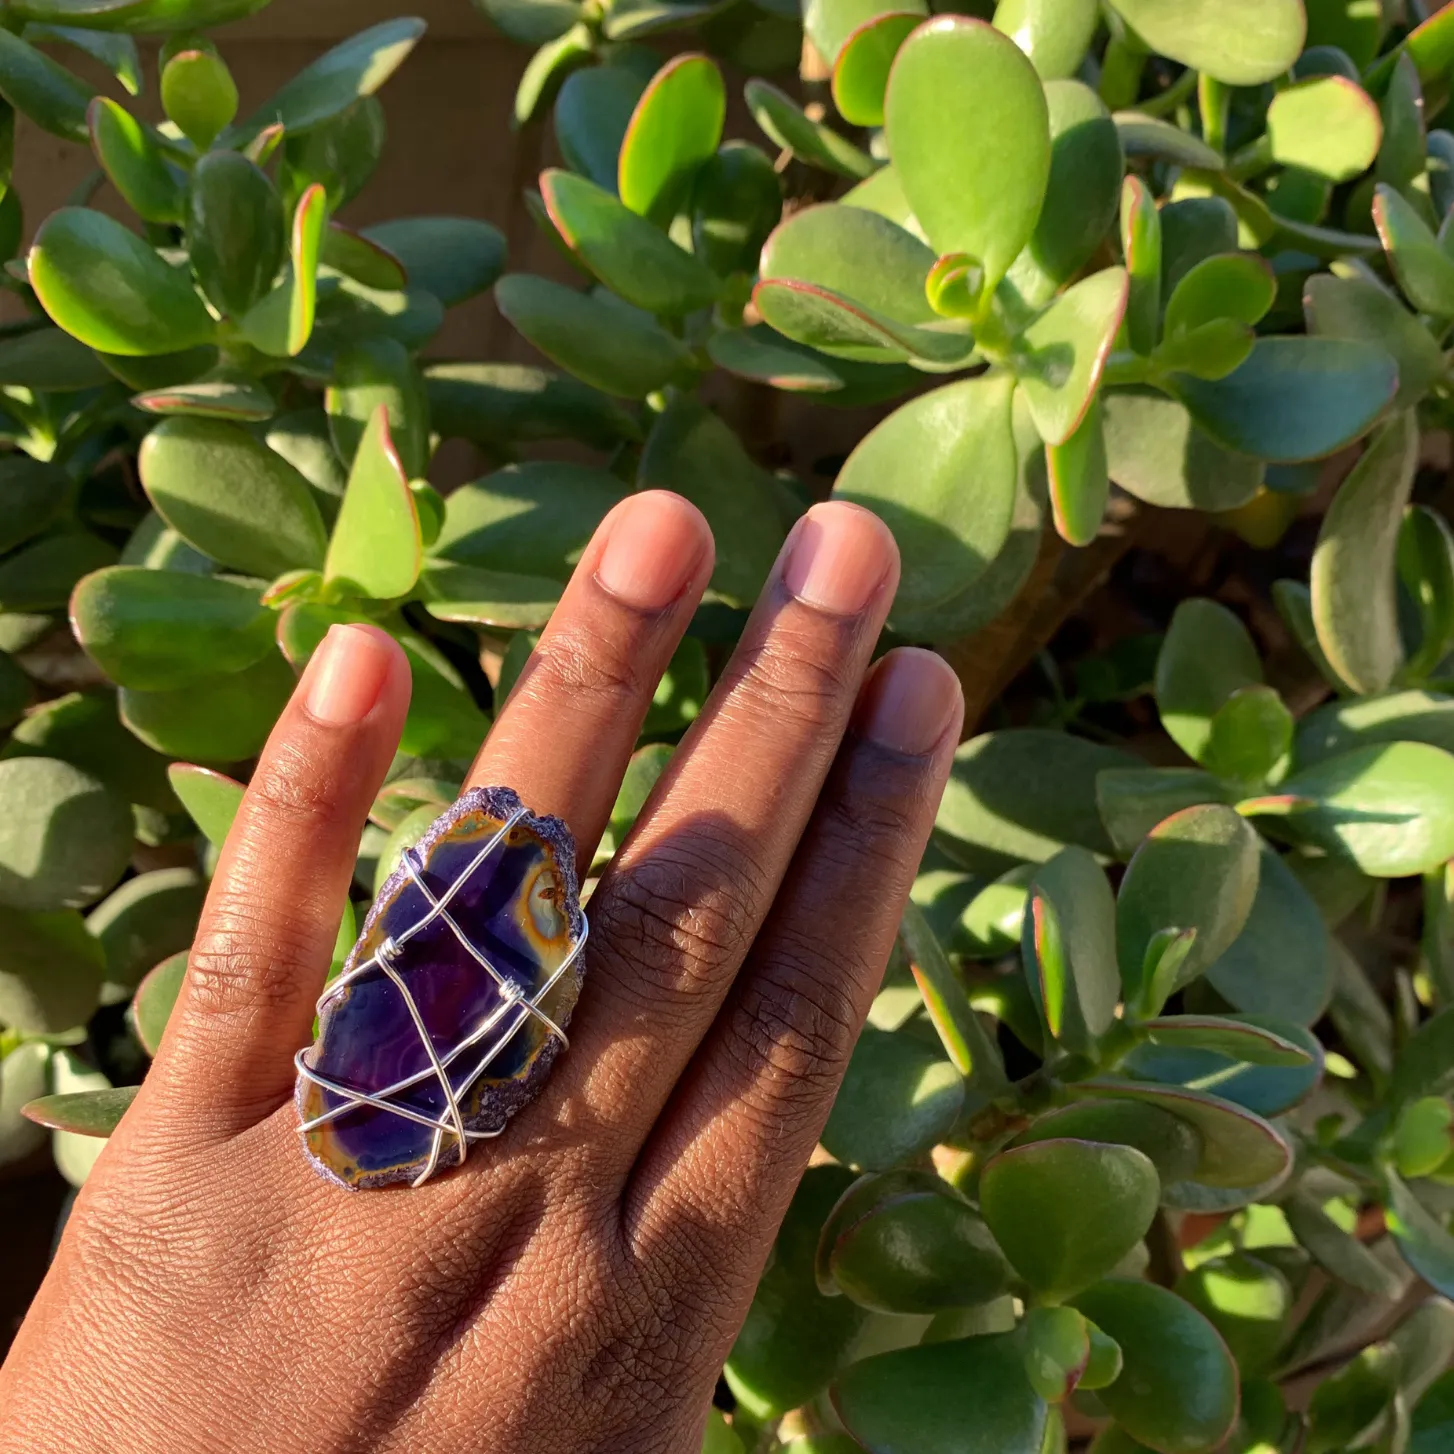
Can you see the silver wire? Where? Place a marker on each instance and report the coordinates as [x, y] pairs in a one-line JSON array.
[[451, 1120]]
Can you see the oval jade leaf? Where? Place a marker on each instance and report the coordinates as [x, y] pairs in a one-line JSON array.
[[65, 838], [159, 630], [674, 129], [1206, 657], [375, 547], [356, 67], [41, 575], [1240, 42], [1197, 871], [1034, 1199], [155, 997], [219, 719], [1235, 285], [132, 156], [1156, 452], [828, 322], [1179, 1389], [83, 1113], [222, 393], [967, 1396], [861, 72], [1294, 398], [1387, 807], [829, 23], [22, 1079], [785, 123], [233, 498], [50, 971], [1069, 949], [1326, 125], [104, 285], [590, 118], [1354, 584], [1239, 1149], [794, 1339], [617, 351], [899, 1098], [43, 90], [483, 597], [454, 258], [1057, 1351], [767, 357], [374, 373], [150, 916], [907, 1242], [236, 232], [954, 81], [1172, 1145], [281, 323], [1060, 357], [1023, 794], [941, 472], [1081, 197], [633, 258], [1426, 1245], [199, 95], [737, 199], [1055, 34], [1408, 716]]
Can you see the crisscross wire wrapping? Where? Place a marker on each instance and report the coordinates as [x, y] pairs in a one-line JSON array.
[[514, 1005]]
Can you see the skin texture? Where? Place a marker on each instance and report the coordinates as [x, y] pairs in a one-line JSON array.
[[578, 1284]]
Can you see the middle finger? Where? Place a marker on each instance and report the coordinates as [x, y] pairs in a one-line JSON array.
[[673, 918]]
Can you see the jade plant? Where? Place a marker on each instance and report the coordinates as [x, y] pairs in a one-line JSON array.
[[1148, 1143]]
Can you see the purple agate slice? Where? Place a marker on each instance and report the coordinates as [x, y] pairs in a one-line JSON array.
[[520, 908]]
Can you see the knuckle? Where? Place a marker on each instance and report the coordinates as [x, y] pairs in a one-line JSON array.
[[245, 959], [578, 660], [676, 919], [796, 676], [291, 786]]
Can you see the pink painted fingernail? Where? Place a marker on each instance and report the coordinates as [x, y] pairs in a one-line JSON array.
[[911, 700], [347, 673], [837, 557], [656, 544]]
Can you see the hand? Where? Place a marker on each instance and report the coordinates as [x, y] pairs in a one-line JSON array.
[[578, 1283]]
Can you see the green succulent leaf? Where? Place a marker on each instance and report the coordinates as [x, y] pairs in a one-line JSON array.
[[232, 497], [83, 1113], [736, 202], [376, 548], [1237, 285], [1401, 158], [1326, 125], [673, 130], [1034, 1197], [1250, 737], [219, 719], [1358, 308], [367, 376], [149, 917], [1141, 247], [1240, 42], [1069, 949], [767, 357], [281, 323], [591, 114], [156, 996], [1079, 479], [222, 393], [1150, 136], [236, 232], [105, 286], [161, 630], [454, 258], [1196, 871], [1173, 1145], [861, 72], [941, 473], [1248, 1301], [1157, 452], [1062, 355], [65, 837], [199, 95], [617, 351], [482, 597], [1294, 398], [907, 1242], [1388, 808], [357, 67], [1057, 1351], [42, 89], [968, 1396], [50, 970], [1350, 1403], [1353, 578], [899, 1098], [951, 79], [135, 162], [1133, 801], [1336, 1251], [1422, 268], [626, 252], [40, 576], [1054, 34], [1206, 657], [783, 121], [211, 798]]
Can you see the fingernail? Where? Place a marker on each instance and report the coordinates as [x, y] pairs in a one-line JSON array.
[[911, 700], [346, 675], [656, 544], [837, 557]]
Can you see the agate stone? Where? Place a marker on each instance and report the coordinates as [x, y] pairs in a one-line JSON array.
[[520, 909]]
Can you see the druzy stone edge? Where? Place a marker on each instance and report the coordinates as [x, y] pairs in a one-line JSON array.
[[507, 1100]]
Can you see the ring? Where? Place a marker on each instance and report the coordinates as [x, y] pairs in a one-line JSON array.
[[453, 1004]]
